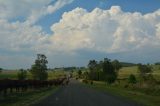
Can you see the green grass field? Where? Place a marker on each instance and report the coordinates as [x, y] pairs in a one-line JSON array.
[[123, 73], [13, 74], [126, 71], [8, 74]]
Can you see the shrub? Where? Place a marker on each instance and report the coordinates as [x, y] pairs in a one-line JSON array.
[[110, 78], [85, 81], [132, 79], [91, 82]]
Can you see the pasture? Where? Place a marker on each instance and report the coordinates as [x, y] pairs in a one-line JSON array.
[[12, 74], [126, 71]]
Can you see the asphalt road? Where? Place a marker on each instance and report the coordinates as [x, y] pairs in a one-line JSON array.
[[76, 94]]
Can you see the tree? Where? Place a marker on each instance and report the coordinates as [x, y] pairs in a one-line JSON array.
[[86, 74], [117, 65], [22, 74], [79, 73], [39, 68], [100, 70], [144, 70], [132, 79], [109, 71], [92, 65], [150, 80]]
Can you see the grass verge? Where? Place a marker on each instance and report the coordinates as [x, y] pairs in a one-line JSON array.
[[26, 98], [130, 94]]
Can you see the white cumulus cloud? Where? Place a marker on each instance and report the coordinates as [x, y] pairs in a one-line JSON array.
[[106, 30], [12, 8], [30, 10], [25, 36], [18, 36], [36, 14], [100, 30]]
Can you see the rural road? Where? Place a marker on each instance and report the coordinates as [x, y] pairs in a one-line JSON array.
[[76, 94]]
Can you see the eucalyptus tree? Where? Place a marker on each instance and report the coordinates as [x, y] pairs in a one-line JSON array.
[[39, 68]]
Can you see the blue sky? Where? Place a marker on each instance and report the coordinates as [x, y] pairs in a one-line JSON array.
[[71, 32]]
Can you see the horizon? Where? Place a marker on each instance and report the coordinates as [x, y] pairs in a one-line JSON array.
[[85, 66]]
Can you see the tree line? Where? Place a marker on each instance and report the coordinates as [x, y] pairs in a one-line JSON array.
[[107, 70], [39, 78], [38, 69]]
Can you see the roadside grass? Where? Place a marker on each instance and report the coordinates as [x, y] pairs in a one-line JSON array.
[[26, 98], [128, 93]]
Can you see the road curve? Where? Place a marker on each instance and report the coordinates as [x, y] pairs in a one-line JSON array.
[[76, 94]]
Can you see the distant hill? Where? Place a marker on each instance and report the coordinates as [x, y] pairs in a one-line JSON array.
[[126, 64], [69, 68]]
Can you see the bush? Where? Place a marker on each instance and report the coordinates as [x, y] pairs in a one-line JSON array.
[[126, 86], [91, 82], [150, 80], [110, 79], [132, 79], [85, 81]]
